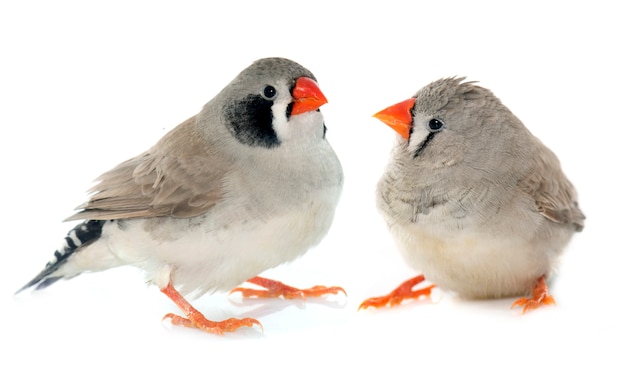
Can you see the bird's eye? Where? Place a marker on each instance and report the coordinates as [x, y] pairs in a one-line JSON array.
[[269, 92], [435, 125]]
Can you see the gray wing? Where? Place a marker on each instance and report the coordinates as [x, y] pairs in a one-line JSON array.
[[177, 177], [554, 194]]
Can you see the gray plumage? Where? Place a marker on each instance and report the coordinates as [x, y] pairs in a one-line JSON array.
[[481, 206], [182, 175], [241, 187]]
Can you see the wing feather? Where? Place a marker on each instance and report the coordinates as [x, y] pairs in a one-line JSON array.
[[554, 195], [178, 177]]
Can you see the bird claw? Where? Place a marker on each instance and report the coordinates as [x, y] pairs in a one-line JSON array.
[[403, 292], [195, 319], [275, 289], [531, 304], [540, 297], [378, 302], [198, 321]]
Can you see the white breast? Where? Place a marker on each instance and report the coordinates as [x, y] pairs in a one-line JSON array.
[[199, 255]]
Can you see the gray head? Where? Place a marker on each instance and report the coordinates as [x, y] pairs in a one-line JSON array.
[[450, 122], [261, 106]]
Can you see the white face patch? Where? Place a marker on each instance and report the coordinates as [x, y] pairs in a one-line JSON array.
[[301, 126], [419, 134], [279, 112]]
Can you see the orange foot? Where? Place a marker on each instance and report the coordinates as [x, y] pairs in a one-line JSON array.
[[540, 297], [195, 319], [277, 289], [403, 292]]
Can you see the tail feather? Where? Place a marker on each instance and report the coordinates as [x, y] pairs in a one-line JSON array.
[[79, 237]]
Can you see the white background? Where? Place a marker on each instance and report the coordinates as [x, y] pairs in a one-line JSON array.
[[83, 87]]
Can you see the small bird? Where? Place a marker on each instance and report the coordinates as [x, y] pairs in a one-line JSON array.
[[248, 183], [473, 200]]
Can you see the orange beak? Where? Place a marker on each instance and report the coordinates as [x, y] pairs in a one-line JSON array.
[[307, 96], [398, 117]]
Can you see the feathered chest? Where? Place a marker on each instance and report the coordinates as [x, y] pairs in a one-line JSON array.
[[437, 202], [270, 185]]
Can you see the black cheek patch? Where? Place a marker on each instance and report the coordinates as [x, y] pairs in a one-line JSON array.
[[250, 121]]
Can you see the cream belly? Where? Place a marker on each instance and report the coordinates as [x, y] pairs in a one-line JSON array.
[[473, 264]]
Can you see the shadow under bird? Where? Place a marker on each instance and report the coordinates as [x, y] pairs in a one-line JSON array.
[[248, 183], [473, 200]]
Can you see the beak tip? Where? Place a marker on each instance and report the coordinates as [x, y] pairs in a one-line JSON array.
[[398, 117], [307, 96]]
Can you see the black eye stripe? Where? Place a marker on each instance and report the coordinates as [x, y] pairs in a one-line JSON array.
[[424, 144], [435, 125]]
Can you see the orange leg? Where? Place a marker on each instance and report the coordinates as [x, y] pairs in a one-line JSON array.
[[403, 292], [277, 289], [540, 297], [195, 319]]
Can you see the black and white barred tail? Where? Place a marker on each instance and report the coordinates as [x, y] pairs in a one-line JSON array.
[[80, 236]]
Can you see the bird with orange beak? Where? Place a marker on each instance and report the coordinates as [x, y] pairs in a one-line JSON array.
[[474, 201], [248, 183]]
